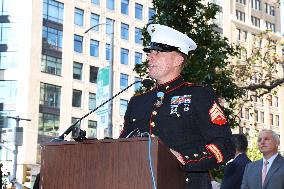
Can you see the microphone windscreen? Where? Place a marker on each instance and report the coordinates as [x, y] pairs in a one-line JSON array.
[[148, 83]]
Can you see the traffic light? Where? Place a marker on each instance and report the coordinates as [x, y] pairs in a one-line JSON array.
[[26, 174]]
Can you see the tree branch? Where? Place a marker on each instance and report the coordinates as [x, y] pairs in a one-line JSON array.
[[274, 84]]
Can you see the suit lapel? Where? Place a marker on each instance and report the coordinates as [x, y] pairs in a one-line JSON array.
[[259, 173], [274, 167]]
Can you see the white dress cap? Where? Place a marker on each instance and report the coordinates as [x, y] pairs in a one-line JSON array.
[[169, 36]]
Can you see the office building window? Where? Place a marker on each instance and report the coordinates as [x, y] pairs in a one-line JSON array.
[[96, 2], [92, 101], [271, 119], [50, 95], [138, 58], [51, 65], [138, 36], [95, 20], [8, 33], [277, 120], [123, 81], [269, 9], [48, 124], [74, 120], [151, 14], [138, 84], [8, 91], [53, 11], [125, 7], [241, 113], [110, 4], [276, 101], [79, 17], [93, 74], [123, 107], [78, 43], [7, 6], [245, 35], [124, 31], [255, 21], [94, 48], [92, 129], [262, 117], [77, 70], [52, 38], [124, 56], [255, 4], [241, 15], [109, 26], [8, 59], [138, 11], [238, 34], [241, 1], [108, 52], [270, 26], [256, 116], [76, 98]]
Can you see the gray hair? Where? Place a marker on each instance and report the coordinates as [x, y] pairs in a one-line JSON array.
[[274, 135]]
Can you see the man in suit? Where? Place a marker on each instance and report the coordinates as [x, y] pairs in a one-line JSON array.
[[234, 169], [268, 172]]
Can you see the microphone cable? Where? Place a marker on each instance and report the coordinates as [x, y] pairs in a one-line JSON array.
[[150, 160]]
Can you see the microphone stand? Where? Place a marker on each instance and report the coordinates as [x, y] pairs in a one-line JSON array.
[[82, 134]]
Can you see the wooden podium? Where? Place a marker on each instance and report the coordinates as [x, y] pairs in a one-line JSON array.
[[109, 164]]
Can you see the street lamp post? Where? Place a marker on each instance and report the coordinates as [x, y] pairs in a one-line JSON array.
[[18, 119], [108, 130]]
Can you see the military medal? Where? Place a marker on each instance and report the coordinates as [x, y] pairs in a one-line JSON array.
[[159, 102]]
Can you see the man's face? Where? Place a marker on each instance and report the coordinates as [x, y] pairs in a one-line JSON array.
[[163, 66], [267, 145]]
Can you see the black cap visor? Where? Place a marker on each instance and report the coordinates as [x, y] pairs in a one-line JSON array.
[[160, 47]]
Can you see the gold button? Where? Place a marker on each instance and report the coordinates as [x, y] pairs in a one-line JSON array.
[[153, 124], [154, 113], [195, 155], [204, 153], [186, 157], [133, 120]]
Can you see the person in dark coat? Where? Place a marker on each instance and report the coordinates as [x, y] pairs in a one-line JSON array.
[[234, 170], [185, 117], [37, 180]]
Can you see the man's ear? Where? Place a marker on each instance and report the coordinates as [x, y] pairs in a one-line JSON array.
[[179, 60]]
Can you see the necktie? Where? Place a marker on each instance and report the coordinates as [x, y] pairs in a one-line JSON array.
[[264, 171]]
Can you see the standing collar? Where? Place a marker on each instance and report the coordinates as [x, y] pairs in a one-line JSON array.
[[170, 85]]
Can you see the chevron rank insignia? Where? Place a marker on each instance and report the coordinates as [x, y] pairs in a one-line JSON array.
[[217, 116]]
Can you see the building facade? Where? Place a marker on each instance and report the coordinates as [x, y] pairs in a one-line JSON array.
[[246, 19], [51, 51]]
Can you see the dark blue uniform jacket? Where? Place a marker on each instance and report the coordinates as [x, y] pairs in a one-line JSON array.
[[188, 120]]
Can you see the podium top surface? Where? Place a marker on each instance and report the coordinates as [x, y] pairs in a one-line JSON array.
[[90, 141]]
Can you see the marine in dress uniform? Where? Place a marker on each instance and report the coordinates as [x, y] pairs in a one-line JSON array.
[[186, 117]]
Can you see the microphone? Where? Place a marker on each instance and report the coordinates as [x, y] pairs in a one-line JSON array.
[[81, 135], [147, 83], [132, 133]]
